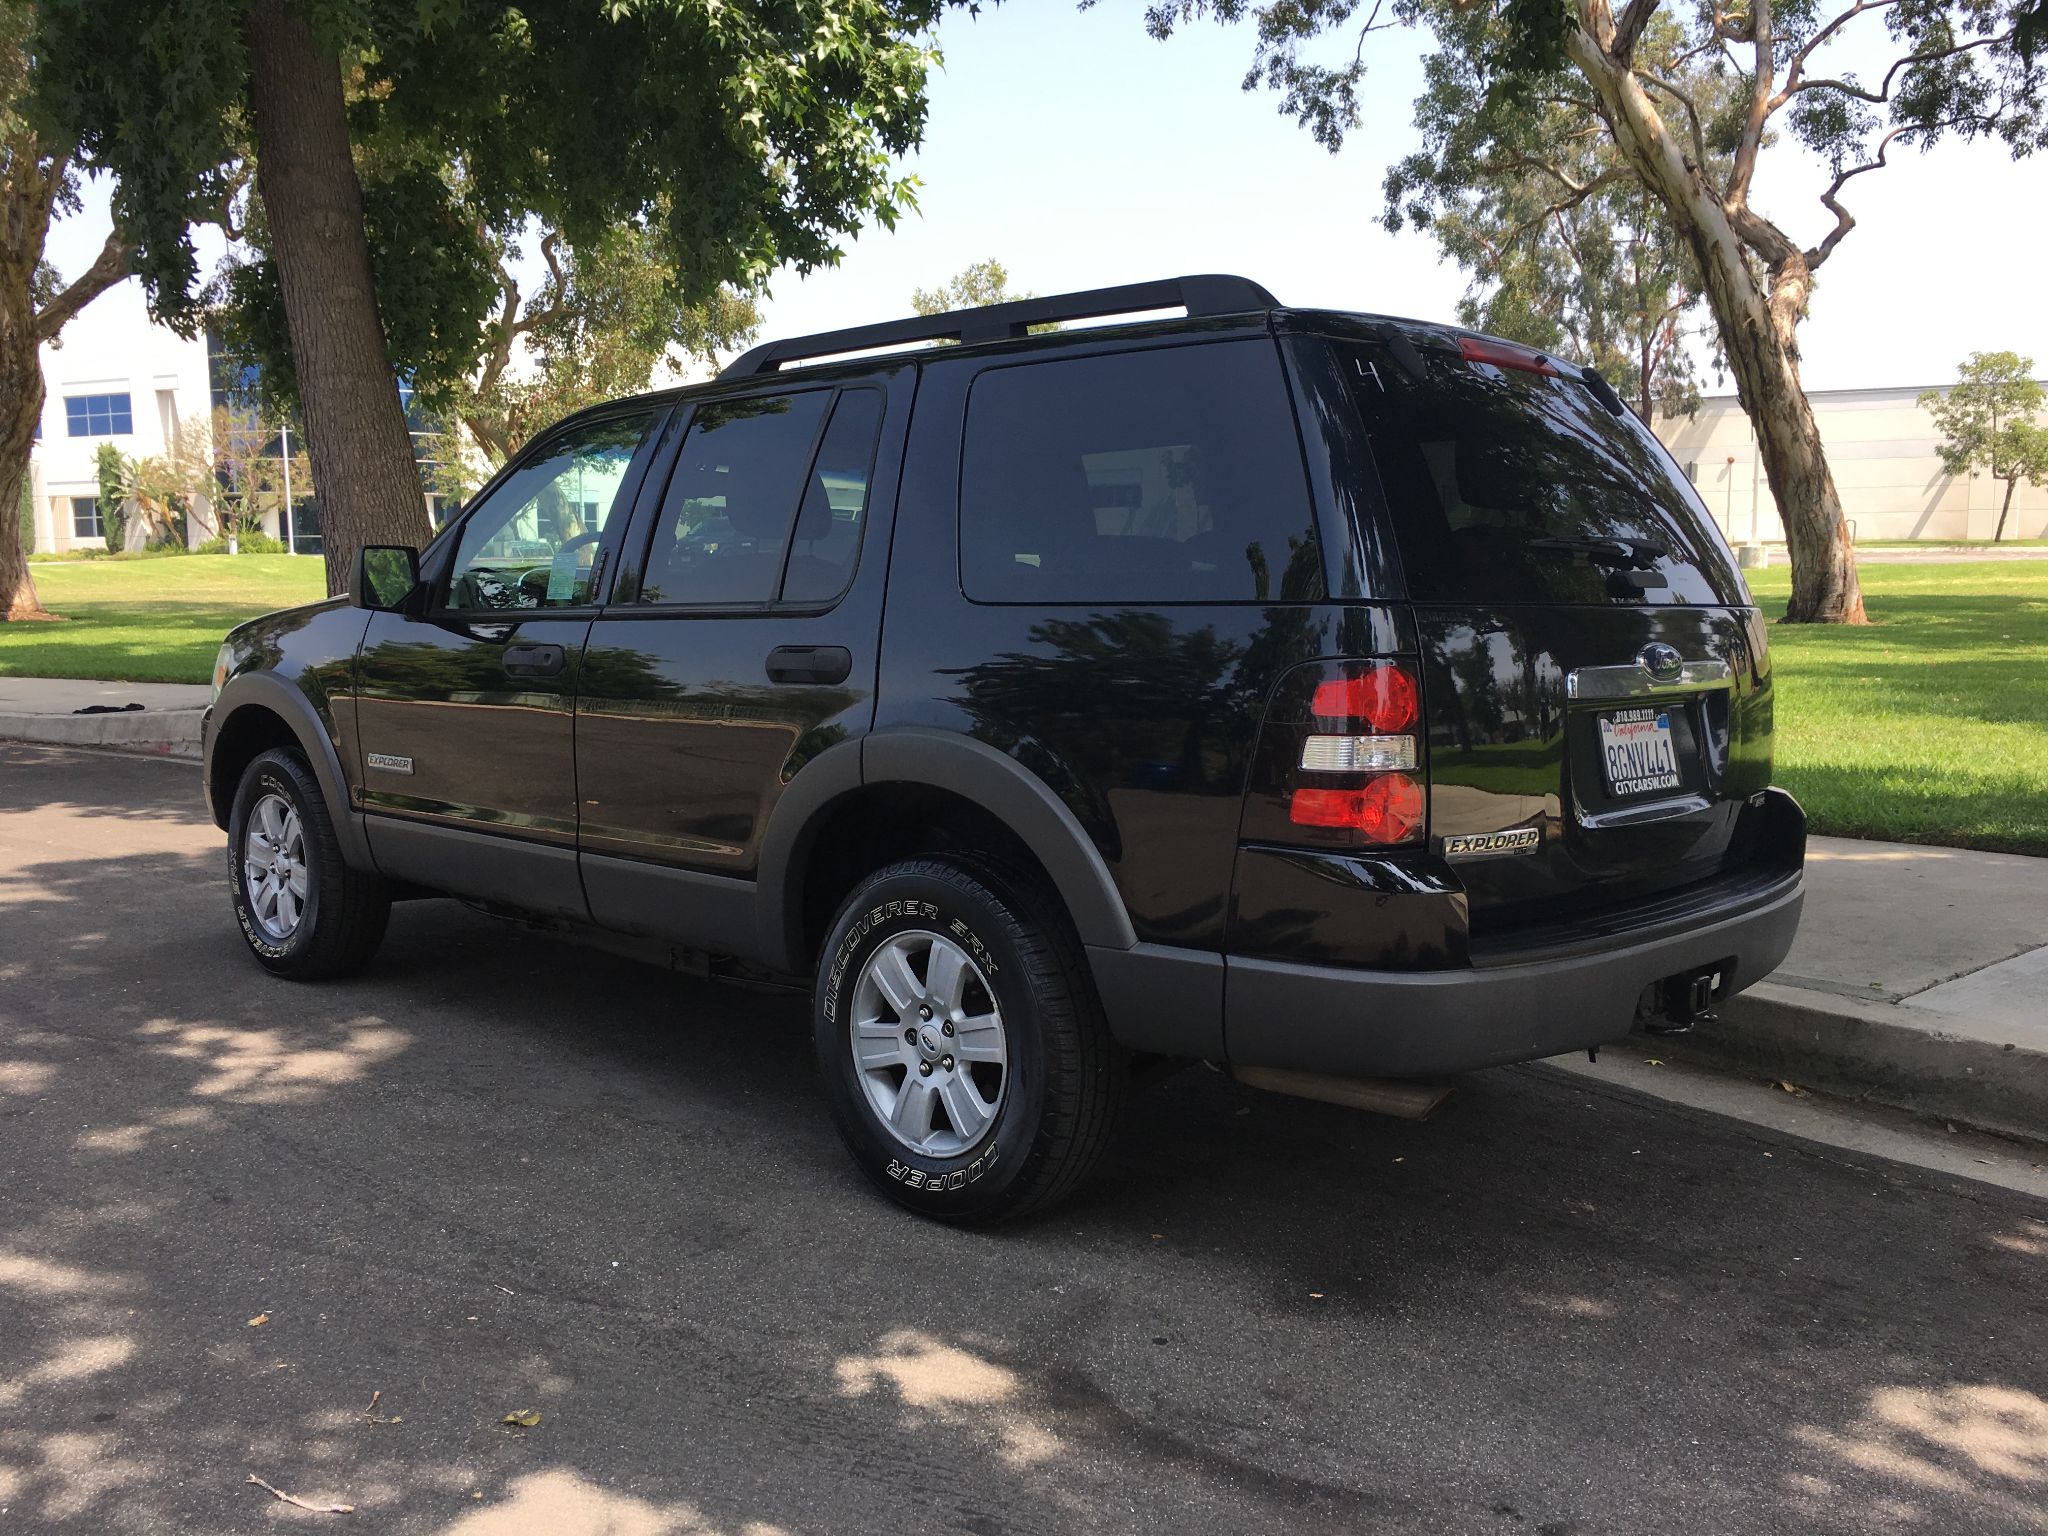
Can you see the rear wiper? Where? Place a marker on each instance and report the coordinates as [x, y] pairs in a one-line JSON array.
[[1623, 554]]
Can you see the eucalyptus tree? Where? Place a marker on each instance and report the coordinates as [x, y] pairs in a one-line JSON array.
[[396, 148], [1631, 75]]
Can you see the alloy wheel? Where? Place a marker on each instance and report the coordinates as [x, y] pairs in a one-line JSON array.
[[928, 1043]]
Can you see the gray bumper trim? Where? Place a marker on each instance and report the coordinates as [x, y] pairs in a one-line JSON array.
[[1425, 1023]]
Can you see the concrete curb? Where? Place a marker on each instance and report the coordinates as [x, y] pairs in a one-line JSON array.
[[1953, 1068], [166, 732]]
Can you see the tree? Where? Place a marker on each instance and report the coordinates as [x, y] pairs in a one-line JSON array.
[[1566, 251], [1987, 422], [1954, 67], [249, 469], [38, 183], [395, 147], [972, 287], [600, 325]]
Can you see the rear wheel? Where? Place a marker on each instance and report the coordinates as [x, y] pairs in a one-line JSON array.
[[965, 1055], [304, 912]]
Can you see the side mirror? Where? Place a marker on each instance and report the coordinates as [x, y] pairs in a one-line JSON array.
[[384, 577]]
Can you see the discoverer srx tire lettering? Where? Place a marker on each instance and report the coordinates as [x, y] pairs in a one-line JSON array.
[[954, 989]]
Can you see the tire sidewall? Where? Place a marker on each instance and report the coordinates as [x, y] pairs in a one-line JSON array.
[[961, 909], [272, 774]]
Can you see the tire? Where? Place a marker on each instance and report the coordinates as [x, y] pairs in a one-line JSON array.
[[327, 919], [1059, 1087]]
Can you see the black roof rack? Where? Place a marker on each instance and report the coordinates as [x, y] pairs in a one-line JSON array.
[[1204, 294]]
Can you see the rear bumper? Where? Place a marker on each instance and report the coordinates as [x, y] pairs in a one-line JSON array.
[[1553, 988], [1427, 1023]]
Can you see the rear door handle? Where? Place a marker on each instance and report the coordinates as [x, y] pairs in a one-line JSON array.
[[809, 664], [534, 660]]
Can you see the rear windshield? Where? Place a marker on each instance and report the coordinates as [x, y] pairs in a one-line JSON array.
[[1505, 485]]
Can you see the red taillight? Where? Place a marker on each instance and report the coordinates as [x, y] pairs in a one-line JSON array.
[[1386, 810], [1503, 354], [1382, 696]]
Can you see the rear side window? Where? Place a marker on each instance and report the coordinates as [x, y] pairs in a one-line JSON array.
[[725, 520], [1167, 476], [1506, 485]]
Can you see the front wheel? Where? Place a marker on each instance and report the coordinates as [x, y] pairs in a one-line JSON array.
[[965, 1055], [305, 913]]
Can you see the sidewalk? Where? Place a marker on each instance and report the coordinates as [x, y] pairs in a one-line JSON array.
[[45, 710], [1919, 979]]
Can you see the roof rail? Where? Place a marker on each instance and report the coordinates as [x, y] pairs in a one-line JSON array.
[[1203, 294]]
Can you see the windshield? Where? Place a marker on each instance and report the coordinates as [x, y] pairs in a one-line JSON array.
[[1508, 485]]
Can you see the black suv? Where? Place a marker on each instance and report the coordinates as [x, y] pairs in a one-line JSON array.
[[1323, 695]]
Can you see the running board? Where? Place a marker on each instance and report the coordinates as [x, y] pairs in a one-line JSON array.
[[1404, 1099]]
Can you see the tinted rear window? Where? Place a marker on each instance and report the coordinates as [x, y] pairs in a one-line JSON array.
[[1505, 485], [1166, 476]]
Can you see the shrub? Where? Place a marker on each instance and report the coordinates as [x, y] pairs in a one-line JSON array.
[[248, 543]]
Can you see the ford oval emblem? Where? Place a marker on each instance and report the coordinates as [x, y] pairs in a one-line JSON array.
[[1662, 662]]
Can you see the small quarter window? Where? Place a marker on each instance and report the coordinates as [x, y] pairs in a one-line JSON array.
[[828, 528], [1165, 476]]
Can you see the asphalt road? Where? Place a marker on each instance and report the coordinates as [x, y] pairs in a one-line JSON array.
[[502, 1172]]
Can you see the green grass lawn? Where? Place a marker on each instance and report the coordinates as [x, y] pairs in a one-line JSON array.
[[1929, 725], [151, 621]]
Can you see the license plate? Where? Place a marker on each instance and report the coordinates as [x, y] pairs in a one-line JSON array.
[[1637, 752]]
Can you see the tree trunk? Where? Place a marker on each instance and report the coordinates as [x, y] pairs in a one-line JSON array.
[[355, 428], [2012, 484], [1758, 336], [1825, 588], [21, 406]]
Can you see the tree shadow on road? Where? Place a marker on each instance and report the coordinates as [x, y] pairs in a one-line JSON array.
[[501, 1171]]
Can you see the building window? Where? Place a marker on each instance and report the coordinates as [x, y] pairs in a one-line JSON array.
[[85, 518], [98, 415]]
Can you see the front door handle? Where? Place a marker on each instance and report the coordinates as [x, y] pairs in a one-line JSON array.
[[809, 664], [534, 660]]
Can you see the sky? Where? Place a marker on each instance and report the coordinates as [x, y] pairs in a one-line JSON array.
[[1079, 152]]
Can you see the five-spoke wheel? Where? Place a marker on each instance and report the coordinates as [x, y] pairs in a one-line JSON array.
[[928, 1040]]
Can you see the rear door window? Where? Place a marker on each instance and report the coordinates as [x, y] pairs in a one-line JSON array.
[[1513, 486], [725, 521], [1165, 476]]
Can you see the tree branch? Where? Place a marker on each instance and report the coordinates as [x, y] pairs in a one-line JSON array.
[[1760, 93], [107, 269], [1831, 199], [1797, 67], [1629, 30], [500, 354], [1692, 114], [1883, 93]]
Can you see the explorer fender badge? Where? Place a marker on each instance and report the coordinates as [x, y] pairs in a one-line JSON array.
[[388, 763], [1493, 845]]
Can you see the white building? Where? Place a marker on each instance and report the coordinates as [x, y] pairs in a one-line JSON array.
[[1881, 447], [112, 377]]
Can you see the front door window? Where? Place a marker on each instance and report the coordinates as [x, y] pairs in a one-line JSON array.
[[533, 541]]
